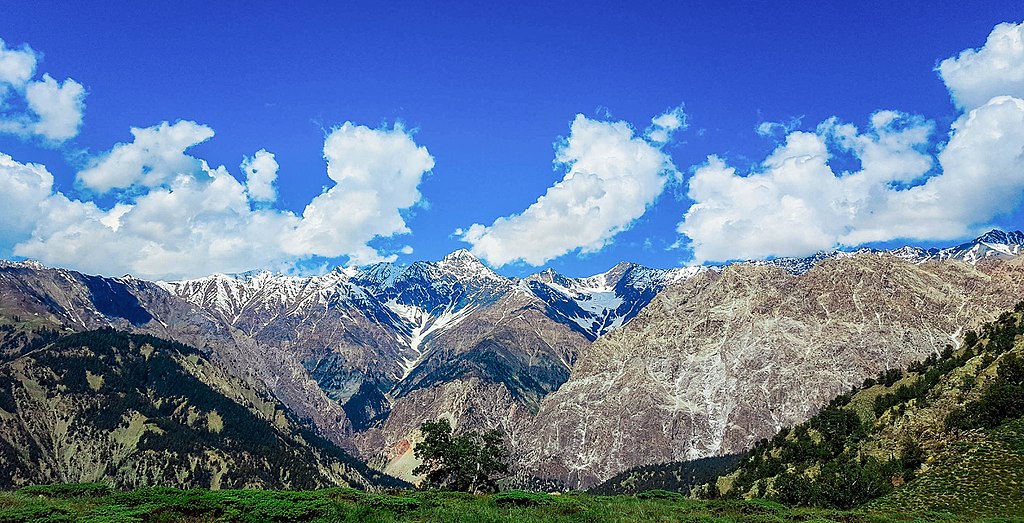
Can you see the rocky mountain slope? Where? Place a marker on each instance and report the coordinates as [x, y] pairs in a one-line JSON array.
[[728, 357], [366, 354], [946, 433], [70, 301], [396, 345], [135, 410], [693, 361]]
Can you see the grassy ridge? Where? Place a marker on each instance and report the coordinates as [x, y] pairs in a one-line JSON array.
[[97, 504], [983, 475]]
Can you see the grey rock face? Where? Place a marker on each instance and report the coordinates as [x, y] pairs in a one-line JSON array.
[[726, 358]]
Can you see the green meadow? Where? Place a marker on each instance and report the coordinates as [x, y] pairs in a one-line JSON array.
[[98, 504]]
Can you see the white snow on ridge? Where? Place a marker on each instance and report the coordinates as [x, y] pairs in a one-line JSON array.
[[606, 301], [422, 325]]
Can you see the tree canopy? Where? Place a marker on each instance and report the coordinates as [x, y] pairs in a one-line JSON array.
[[468, 462]]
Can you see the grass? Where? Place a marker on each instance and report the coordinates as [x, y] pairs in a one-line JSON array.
[[976, 477], [95, 504]]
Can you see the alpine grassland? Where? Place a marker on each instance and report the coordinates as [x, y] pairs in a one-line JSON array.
[[95, 503]]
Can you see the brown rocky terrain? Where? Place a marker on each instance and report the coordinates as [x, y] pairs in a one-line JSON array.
[[720, 358], [728, 357]]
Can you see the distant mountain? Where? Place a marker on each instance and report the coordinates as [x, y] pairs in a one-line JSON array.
[[376, 338], [994, 244], [694, 361], [601, 303]]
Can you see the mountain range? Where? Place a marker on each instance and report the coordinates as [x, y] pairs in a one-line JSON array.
[[586, 376]]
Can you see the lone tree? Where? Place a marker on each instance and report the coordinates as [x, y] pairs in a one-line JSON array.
[[469, 462]]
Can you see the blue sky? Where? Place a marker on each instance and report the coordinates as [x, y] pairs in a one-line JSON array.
[[489, 91]]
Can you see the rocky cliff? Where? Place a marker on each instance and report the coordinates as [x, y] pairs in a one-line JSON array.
[[728, 357]]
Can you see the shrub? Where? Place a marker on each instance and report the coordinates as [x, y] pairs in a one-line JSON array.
[[36, 514]]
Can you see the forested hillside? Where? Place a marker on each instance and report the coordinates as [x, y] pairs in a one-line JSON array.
[[134, 410]]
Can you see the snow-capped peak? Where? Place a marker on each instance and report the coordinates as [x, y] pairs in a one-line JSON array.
[[998, 237], [460, 255], [597, 304], [28, 264], [992, 244], [465, 266]]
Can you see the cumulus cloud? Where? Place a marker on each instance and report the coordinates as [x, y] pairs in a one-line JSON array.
[[16, 66], [59, 107], [795, 203], [377, 173], [25, 187], [611, 177], [155, 157], [179, 217], [260, 174], [51, 110], [975, 76]]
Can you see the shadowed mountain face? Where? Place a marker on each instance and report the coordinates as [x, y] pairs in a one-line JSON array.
[[694, 361], [134, 410], [372, 338]]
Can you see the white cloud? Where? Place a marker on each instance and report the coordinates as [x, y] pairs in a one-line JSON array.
[[665, 124], [52, 110], [16, 66], [178, 217], [611, 177], [58, 105], [977, 75], [795, 203], [260, 174], [155, 157], [25, 187], [377, 173], [771, 129]]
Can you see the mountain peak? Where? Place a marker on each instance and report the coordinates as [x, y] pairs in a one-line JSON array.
[[1001, 237], [460, 256], [467, 266], [619, 270], [30, 264]]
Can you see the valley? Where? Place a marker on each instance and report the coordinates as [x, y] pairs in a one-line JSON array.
[[587, 377]]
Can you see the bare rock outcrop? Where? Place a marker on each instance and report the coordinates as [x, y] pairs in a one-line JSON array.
[[726, 358]]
